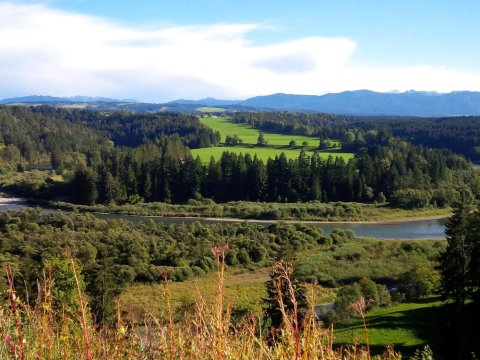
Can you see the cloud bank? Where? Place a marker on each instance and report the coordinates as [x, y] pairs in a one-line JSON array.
[[51, 52]]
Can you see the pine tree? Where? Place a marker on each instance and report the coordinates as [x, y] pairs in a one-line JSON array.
[[261, 139], [283, 290], [454, 265], [454, 261], [85, 187]]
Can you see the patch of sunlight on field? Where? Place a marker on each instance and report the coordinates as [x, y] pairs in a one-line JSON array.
[[249, 135], [276, 143], [211, 109], [243, 289], [407, 326]]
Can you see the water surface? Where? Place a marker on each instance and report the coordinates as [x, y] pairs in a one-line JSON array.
[[415, 229]]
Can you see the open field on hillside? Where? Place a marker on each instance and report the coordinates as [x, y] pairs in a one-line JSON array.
[[211, 109], [276, 143], [408, 326], [244, 290], [249, 135]]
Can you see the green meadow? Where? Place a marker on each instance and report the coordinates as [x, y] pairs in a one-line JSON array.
[[407, 326], [207, 109], [249, 135], [276, 143]]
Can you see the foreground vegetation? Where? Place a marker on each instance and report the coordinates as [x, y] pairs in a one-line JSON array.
[[44, 331], [114, 255], [110, 257]]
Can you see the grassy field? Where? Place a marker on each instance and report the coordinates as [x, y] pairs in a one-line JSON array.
[[211, 109], [249, 135], [408, 326], [244, 290], [276, 143]]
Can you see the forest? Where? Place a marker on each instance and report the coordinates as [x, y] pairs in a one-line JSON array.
[[124, 158], [458, 134], [104, 159]]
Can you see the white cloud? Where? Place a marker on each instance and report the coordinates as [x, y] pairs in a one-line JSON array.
[[46, 51]]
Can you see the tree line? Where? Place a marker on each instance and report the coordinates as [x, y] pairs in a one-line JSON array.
[[29, 137], [32, 136], [385, 168], [120, 157], [458, 134], [460, 280], [129, 129]]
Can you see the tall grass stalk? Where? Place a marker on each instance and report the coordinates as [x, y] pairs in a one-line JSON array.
[[206, 332], [83, 312], [18, 346]]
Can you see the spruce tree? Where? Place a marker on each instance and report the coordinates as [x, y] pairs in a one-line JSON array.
[[454, 261], [283, 290], [261, 139]]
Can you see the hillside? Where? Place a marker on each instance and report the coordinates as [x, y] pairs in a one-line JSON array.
[[365, 102], [359, 102]]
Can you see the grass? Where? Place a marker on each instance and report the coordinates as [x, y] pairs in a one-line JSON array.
[[408, 326], [243, 290], [204, 332], [74, 106], [276, 143], [249, 135], [211, 109]]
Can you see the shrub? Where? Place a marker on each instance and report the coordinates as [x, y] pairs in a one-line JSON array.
[[418, 282], [410, 198]]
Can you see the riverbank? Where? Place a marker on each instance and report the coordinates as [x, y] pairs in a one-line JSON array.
[[308, 222], [408, 228], [310, 212], [349, 213]]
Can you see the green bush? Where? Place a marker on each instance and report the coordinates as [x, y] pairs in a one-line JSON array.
[[419, 282], [411, 198]]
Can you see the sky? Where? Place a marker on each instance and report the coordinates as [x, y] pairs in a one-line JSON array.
[[158, 51]]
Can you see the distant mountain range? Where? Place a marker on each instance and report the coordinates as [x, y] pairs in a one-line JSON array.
[[40, 99], [207, 102], [360, 102], [363, 102]]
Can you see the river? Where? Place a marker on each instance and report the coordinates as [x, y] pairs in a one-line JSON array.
[[414, 229]]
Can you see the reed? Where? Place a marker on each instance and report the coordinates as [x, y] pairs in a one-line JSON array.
[[208, 332]]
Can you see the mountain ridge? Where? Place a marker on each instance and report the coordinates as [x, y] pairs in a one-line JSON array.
[[367, 102], [44, 99], [354, 102]]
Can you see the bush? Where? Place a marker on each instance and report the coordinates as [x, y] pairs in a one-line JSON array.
[[410, 198], [375, 294], [419, 282]]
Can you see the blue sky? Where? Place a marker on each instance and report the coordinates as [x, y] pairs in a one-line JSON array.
[[162, 50]]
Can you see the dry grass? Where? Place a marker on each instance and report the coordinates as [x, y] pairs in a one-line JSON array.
[[207, 332]]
